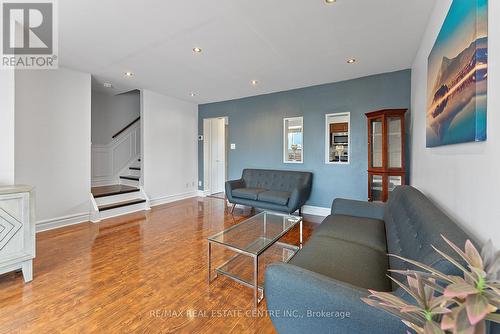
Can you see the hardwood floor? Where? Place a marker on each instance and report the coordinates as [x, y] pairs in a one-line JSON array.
[[141, 273]]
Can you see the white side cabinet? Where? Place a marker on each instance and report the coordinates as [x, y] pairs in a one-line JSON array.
[[17, 230]]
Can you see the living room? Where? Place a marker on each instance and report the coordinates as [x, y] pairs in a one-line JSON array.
[[251, 167]]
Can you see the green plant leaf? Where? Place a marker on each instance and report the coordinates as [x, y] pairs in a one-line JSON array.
[[440, 310], [495, 317], [389, 298], [460, 290], [425, 267], [456, 249], [493, 298], [493, 269], [473, 255], [415, 319], [435, 286], [441, 301], [409, 291], [432, 328], [462, 324], [480, 328], [477, 308], [478, 271], [411, 309], [456, 264], [421, 290], [488, 253], [468, 330], [448, 322], [417, 329]]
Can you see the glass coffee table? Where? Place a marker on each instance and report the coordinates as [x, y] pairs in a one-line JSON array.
[[254, 239]]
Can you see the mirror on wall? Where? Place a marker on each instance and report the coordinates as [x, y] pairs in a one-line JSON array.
[[337, 141], [293, 140]]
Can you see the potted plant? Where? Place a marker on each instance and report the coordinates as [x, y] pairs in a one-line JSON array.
[[444, 303]]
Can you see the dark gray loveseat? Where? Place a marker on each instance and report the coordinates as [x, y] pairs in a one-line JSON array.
[[277, 190], [347, 254]]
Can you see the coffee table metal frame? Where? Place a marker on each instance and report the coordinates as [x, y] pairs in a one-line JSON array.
[[258, 290]]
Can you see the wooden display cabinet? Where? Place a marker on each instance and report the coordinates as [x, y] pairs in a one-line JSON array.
[[386, 152]]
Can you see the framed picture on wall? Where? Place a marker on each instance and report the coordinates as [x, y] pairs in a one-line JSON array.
[[457, 76]]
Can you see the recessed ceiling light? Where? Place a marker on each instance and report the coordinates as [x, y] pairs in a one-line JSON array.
[[254, 82], [351, 60], [330, 1], [107, 84], [197, 50], [129, 74], [192, 94]]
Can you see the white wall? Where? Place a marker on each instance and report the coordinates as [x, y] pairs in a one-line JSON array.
[[170, 129], [6, 127], [53, 141], [463, 179], [111, 113]]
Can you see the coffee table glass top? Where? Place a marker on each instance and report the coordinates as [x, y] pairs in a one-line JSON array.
[[257, 233]]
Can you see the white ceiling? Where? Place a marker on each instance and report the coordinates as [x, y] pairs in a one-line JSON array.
[[282, 44]]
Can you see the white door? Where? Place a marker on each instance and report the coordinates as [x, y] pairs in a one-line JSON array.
[[217, 155]]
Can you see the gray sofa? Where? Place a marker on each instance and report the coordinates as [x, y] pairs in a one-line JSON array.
[[347, 254], [285, 191]]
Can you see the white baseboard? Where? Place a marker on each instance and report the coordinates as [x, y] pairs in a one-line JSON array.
[[203, 193], [172, 198], [50, 224], [316, 210]]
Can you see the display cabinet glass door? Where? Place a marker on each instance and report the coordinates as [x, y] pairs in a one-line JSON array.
[[376, 148], [393, 181], [376, 188], [395, 144]]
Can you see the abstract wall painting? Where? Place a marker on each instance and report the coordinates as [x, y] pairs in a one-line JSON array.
[[457, 76]]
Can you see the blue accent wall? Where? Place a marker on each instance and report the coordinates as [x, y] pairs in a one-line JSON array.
[[256, 127]]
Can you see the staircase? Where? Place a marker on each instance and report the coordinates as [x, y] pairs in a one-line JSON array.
[[120, 199], [132, 175]]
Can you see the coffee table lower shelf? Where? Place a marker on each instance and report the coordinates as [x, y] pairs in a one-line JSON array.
[[246, 268]]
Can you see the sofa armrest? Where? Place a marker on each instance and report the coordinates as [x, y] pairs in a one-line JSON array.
[[301, 301], [358, 208], [298, 198], [231, 185]]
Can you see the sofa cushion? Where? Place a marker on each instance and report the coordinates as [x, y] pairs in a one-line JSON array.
[[248, 193], [276, 197], [364, 231], [279, 180], [345, 261]]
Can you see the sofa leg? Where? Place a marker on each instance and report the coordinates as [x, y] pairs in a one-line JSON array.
[[232, 209]]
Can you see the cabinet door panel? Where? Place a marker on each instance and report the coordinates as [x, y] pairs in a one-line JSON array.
[[376, 153], [395, 144], [14, 226], [376, 188]]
